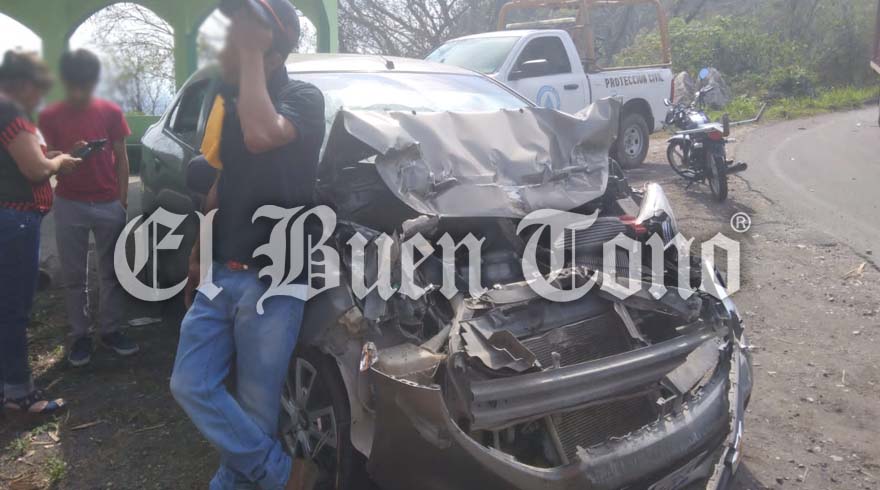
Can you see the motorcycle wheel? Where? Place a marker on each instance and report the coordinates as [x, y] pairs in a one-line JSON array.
[[675, 155], [315, 421], [717, 177]]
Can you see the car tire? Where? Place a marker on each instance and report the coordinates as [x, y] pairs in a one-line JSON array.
[[321, 412], [632, 141]]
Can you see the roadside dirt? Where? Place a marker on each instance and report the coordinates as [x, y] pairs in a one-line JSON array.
[[812, 316], [814, 321], [123, 429]]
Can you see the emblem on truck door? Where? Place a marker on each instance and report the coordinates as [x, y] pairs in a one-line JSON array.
[[548, 98]]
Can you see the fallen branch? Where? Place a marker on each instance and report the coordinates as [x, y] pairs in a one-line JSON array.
[[86, 425], [53, 383], [857, 272], [153, 427]]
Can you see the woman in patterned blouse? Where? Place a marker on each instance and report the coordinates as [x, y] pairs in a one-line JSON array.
[[25, 196]]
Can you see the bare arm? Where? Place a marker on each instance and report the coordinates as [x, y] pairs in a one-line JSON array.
[[264, 129], [34, 165], [122, 170]]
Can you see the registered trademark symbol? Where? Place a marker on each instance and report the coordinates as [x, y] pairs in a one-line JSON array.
[[740, 222]]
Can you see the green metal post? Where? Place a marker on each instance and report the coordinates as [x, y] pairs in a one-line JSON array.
[[185, 52]]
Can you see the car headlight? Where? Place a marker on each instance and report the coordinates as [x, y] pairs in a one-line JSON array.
[[656, 210]]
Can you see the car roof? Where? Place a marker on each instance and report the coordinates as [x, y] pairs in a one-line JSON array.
[[317, 63], [510, 33]]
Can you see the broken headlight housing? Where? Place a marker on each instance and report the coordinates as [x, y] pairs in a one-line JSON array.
[[656, 214]]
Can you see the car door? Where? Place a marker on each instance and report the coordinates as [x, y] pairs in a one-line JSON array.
[[179, 138], [552, 83]]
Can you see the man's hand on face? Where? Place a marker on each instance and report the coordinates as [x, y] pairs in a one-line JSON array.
[[248, 34]]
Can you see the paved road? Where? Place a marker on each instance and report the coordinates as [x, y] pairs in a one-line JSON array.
[[825, 172]]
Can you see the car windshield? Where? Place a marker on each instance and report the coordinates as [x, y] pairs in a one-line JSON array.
[[407, 91], [484, 55]]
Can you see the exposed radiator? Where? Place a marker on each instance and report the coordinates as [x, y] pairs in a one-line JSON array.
[[595, 338], [597, 424], [584, 341]]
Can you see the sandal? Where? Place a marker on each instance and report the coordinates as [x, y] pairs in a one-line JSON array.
[[35, 403]]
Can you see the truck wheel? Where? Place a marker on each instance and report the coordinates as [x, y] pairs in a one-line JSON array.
[[632, 141]]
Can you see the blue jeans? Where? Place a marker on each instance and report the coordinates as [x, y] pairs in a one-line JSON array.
[[19, 270], [244, 426]]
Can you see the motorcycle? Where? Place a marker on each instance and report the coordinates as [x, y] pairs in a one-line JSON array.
[[698, 152]]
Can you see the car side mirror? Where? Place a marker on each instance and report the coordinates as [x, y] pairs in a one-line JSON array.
[[530, 69]]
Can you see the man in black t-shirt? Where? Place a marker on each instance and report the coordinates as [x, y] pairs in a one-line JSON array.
[[272, 129]]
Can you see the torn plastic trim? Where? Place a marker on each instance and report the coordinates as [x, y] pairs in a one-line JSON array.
[[700, 426], [740, 383], [499, 402], [684, 446]]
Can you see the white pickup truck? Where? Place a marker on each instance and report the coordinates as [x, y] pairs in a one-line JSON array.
[[544, 65]]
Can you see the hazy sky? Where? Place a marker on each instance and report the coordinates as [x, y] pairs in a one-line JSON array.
[[14, 35]]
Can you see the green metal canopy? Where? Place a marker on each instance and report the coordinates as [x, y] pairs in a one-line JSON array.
[[56, 20]]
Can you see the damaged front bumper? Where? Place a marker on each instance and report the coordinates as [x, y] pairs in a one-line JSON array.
[[697, 443]]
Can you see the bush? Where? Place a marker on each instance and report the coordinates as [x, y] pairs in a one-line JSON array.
[[739, 48], [775, 53], [791, 81], [825, 100]]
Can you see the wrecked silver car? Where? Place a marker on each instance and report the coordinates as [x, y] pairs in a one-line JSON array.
[[501, 388]]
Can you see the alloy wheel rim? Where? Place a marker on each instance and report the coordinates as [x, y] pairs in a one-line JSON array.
[[308, 425]]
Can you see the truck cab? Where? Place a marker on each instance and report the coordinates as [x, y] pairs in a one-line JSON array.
[[557, 68]]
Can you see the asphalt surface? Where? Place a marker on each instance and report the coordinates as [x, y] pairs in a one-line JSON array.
[[825, 172]]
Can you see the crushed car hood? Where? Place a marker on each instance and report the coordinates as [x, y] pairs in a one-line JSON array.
[[502, 164]]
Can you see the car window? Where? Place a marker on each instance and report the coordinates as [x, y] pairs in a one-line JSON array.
[[548, 48], [484, 55], [184, 120]]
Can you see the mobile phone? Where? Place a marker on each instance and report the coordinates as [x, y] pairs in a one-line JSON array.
[[91, 147]]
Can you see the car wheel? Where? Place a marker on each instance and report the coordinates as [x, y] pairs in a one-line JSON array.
[[315, 421], [632, 141]]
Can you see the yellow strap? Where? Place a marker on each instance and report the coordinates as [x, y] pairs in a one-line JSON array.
[[213, 132]]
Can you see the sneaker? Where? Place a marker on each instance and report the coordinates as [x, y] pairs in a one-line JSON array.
[[120, 343], [80, 352]]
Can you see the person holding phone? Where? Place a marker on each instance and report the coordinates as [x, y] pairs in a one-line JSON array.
[[25, 196], [92, 199]]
